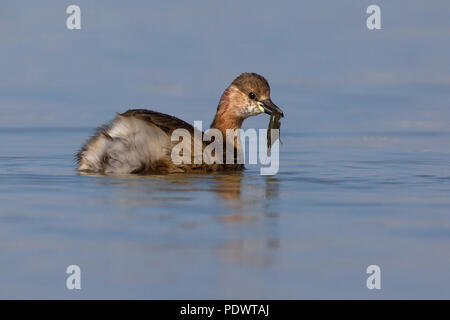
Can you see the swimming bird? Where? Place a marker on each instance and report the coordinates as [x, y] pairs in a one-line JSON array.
[[139, 141]]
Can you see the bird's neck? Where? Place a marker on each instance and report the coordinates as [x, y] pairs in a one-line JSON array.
[[226, 116]]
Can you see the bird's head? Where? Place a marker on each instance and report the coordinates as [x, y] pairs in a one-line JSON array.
[[252, 95], [248, 95]]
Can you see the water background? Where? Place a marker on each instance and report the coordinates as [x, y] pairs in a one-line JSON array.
[[364, 176]]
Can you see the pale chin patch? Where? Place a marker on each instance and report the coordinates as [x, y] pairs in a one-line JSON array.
[[250, 110]]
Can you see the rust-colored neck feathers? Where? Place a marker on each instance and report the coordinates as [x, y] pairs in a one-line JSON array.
[[227, 116]]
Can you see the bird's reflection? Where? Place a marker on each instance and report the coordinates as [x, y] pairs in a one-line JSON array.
[[229, 190], [245, 205], [251, 203], [238, 191]]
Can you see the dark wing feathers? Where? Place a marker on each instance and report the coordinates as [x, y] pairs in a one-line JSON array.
[[165, 122]]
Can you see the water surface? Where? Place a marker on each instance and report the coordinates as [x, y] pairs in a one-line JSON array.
[[364, 176], [340, 202]]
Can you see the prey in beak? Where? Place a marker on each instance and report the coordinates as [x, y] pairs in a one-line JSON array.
[[267, 106]]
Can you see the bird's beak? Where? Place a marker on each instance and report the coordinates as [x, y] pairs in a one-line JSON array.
[[267, 106]]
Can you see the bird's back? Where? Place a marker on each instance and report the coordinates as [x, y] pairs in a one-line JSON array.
[[137, 141]]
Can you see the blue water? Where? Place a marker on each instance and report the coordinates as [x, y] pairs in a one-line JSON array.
[[340, 203], [365, 163]]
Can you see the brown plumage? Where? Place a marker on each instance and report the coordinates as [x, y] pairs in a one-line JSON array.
[[139, 141]]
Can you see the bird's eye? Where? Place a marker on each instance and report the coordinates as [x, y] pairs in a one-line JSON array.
[[252, 95]]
